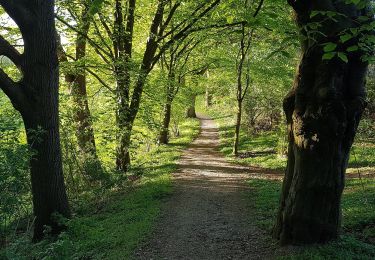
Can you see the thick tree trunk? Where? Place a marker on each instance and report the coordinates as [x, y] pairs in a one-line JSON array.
[[36, 97], [238, 128], [41, 73], [323, 112]]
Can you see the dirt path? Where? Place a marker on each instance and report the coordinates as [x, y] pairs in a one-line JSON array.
[[208, 216]]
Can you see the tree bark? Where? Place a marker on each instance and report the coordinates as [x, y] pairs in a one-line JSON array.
[[36, 97], [81, 112], [323, 111], [123, 42], [164, 133], [170, 95], [238, 127]]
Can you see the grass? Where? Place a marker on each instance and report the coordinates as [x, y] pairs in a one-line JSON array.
[[263, 146], [112, 227], [357, 241], [358, 204]]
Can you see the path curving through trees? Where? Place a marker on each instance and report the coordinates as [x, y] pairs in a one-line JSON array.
[[208, 216]]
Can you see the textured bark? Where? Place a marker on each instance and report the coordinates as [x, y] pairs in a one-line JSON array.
[[123, 41], [36, 97], [323, 111]]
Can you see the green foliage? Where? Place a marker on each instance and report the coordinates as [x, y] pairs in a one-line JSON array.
[[110, 227], [14, 177]]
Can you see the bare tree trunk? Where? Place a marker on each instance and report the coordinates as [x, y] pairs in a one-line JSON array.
[[238, 128], [36, 97], [323, 111]]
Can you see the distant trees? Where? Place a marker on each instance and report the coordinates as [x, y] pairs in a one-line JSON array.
[[174, 61], [35, 96], [243, 66], [118, 55], [323, 111]]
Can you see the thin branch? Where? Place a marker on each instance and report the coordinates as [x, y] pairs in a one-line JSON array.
[[183, 33], [98, 49], [184, 21], [97, 30], [169, 18], [258, 8], [105, 25], [100, 80]]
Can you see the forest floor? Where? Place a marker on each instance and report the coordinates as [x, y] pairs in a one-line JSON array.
[[208, 216]]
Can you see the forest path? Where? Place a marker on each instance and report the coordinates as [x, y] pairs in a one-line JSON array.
[[208, 215]]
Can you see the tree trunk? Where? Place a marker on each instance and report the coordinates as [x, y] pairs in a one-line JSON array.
[[238, 128], [164, 133], [190, 113], [36, 97], [208, 98], [82, 115], [123, 42], [323, 111], [124, 142]]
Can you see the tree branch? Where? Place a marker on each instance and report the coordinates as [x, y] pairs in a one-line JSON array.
[[258, 8], [12, 90], [18, 11], [6, 49], [100, 80], [99, 50], [185, 31]]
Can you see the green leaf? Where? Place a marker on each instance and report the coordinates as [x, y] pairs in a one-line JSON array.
[[328, 55], [343, 57], [330, 47], [352, 48], [346, 37], [95, 7]]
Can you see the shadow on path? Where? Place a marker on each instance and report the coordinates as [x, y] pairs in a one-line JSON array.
[[208, 215]]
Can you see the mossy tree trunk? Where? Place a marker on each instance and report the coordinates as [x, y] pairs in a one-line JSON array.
[[77, 82]]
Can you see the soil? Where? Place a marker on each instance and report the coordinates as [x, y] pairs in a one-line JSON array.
[[209, 215]]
